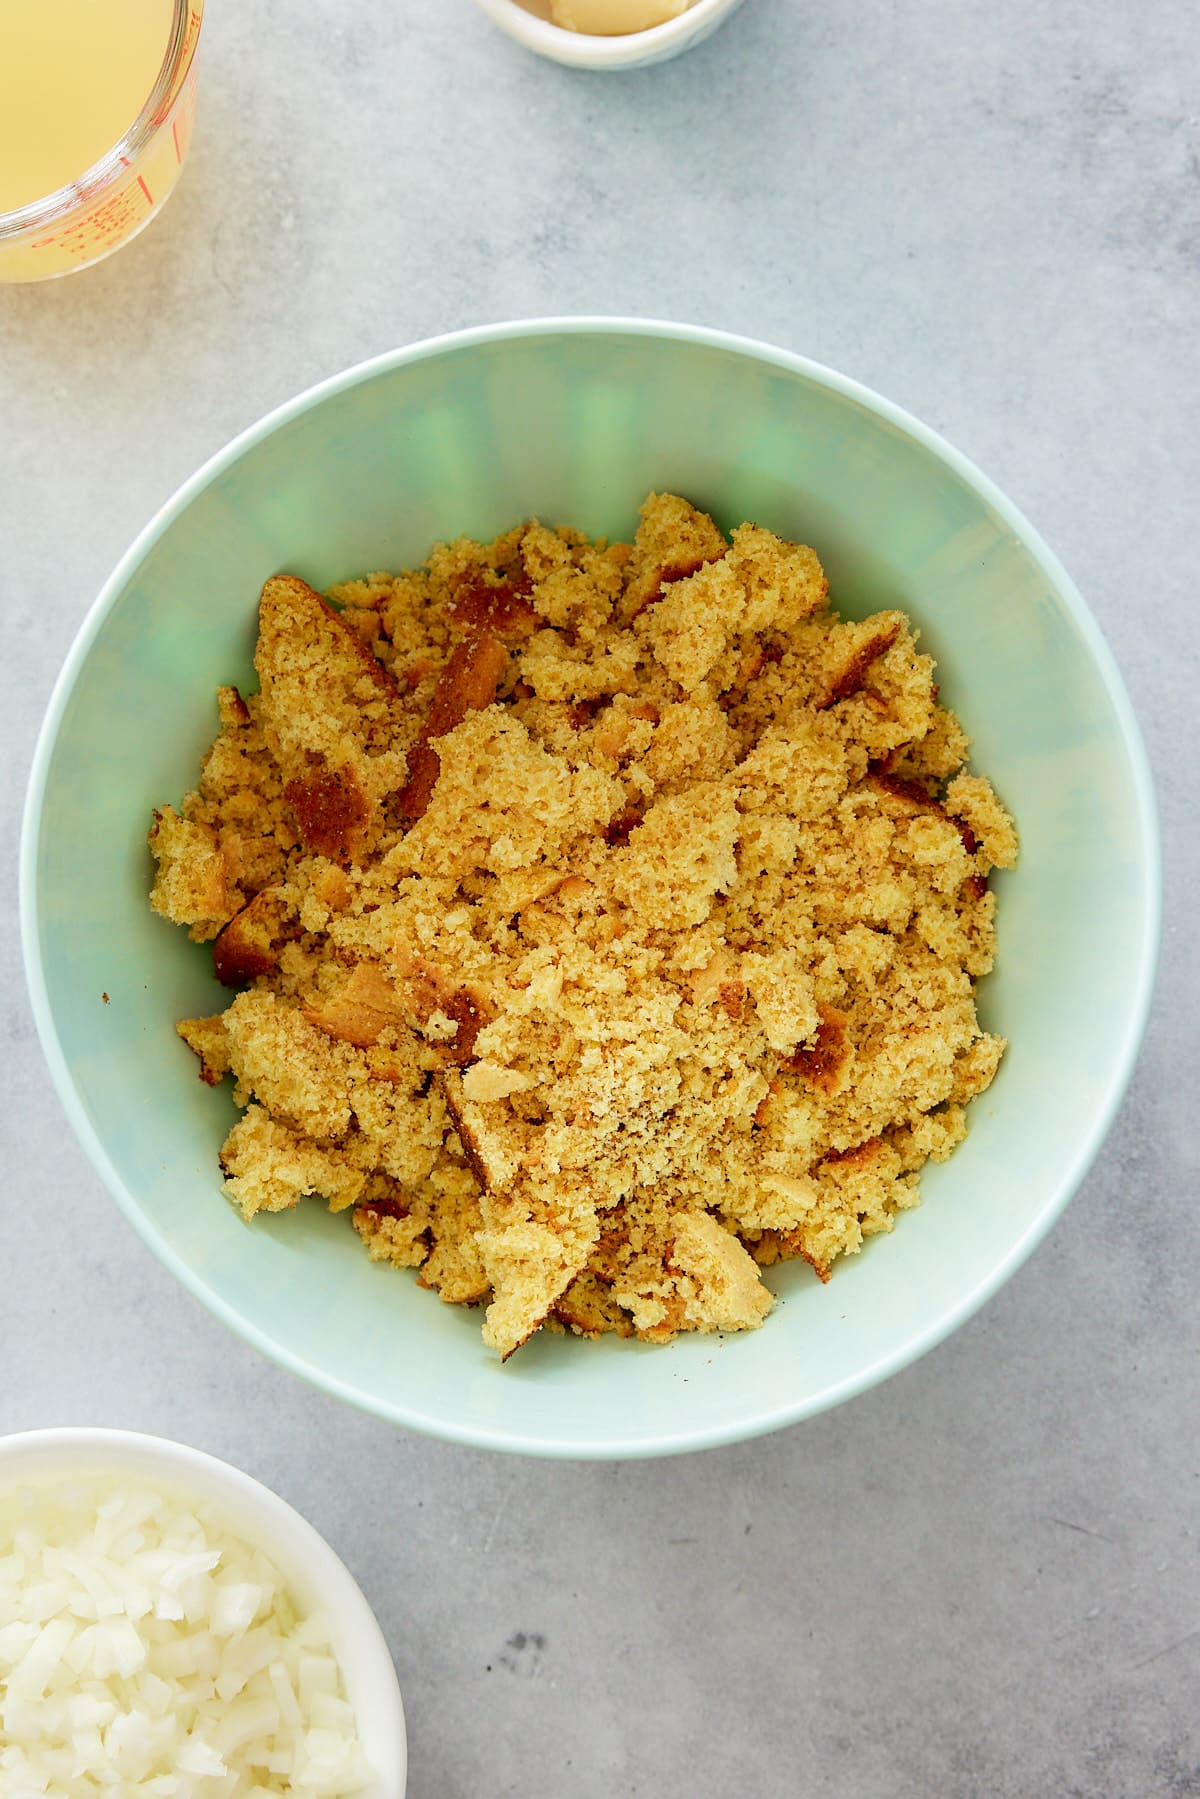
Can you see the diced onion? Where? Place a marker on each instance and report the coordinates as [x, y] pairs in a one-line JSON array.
[[145, 1648]]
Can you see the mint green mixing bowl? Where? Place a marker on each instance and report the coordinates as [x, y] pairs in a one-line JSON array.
[[575, 420]]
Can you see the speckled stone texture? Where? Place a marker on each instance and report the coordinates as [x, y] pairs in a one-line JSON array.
[[980, 1579]]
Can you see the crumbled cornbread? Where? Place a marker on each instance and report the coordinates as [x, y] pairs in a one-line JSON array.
[[606, 919]]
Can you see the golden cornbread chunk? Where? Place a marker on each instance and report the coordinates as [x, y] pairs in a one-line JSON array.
[[605, 920]]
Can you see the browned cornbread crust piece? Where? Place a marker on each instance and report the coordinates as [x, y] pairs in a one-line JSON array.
[[606, 920]]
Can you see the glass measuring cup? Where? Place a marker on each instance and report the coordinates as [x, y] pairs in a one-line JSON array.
[[101, 207]]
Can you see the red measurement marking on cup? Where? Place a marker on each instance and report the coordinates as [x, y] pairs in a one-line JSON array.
[[141, 182]]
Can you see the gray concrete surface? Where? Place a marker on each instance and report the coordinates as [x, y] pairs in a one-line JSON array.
[[980, 1579]]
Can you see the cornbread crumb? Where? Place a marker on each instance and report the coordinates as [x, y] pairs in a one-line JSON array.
[[206, 1037], [269, 1168], [971, 798], [606, 919], [720, 1285], [192, 884]]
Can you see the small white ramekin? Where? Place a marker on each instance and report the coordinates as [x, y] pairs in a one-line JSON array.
[[316, 1577], [633, 50]]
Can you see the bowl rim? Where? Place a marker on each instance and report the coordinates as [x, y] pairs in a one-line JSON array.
[[587, 50], [192, 1471], [410, 1414]]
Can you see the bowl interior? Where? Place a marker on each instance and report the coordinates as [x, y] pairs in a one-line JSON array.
[[575, 424], [315, 1575]]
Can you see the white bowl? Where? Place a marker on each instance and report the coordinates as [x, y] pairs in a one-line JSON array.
[[316, 1577], [632, 50]]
